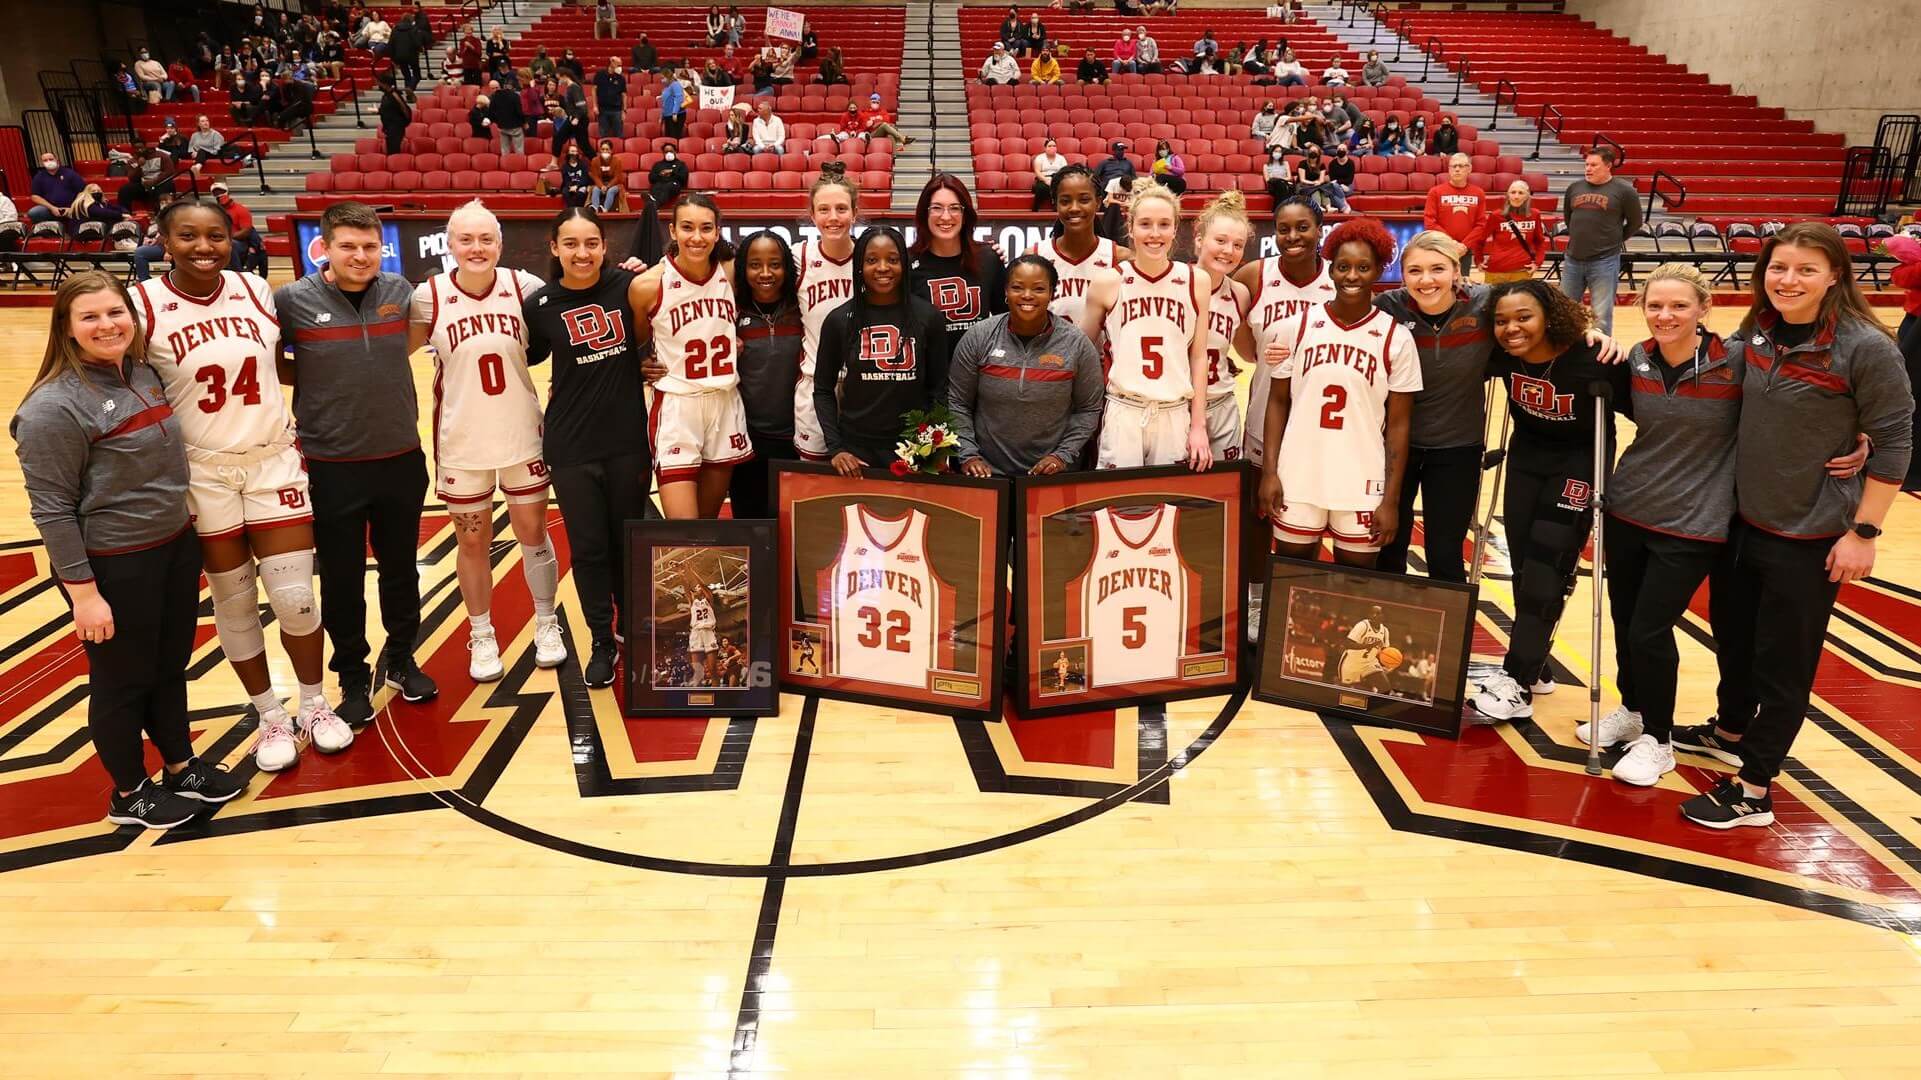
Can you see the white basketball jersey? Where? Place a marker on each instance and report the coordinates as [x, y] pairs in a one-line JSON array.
[[219, 358], [1070, 296], [1148, 332], [884, 606], [702, 615], [824, 286], [1134, 598], [1276, 303], [693, 323], [486, 410], [1224, 317], [1334, 451]]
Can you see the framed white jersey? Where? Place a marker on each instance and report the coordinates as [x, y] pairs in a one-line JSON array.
[[889, 616], [218, 356], [1334, 451], [486, 411], [1137, 602], [1070, 296]]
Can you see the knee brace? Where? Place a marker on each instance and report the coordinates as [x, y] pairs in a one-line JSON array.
[[1554, 554], [236, 612], [289, 580], [542, 570]]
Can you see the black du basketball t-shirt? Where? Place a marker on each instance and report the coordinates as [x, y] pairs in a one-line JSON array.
[[1553, 404], [964, 300], [894, 359], [597, 408]]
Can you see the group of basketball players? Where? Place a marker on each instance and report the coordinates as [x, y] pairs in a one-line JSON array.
[[166, 404]]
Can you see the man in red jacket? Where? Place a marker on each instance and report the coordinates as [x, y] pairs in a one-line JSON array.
[[1457, 207]]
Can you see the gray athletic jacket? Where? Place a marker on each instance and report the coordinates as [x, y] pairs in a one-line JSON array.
[[1677, 477], [1016, 402], [353, 388], [1803, 407], [1450, 409], [105, 467]]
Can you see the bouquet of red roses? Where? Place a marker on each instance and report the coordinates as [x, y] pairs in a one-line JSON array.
[[927, 443]]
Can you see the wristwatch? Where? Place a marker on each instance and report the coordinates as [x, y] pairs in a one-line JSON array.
[[1866, 531]]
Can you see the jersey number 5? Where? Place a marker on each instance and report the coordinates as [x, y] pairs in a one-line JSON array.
[[899, 625], [705, 359], [245, 387], [1151, 362]]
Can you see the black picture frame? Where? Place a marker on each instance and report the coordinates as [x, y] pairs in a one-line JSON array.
[[741, 553], [1028, 672], [985, 499], [1303, 667]]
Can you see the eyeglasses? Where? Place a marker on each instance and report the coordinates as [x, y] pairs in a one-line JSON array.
[[946, 211]]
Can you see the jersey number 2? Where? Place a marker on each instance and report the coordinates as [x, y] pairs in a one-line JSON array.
[[899, 625], [705, 359], [245, 387], [1333, 400]]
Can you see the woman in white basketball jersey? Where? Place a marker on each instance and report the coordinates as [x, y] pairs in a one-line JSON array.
[[1149, 310], [1279, 288], [699, 423], [1338, 411], [826, 269], [487, 430], [1078, 251], [213, 337], [1220, 239]]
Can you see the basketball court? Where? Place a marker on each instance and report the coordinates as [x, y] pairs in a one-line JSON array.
[[514, 880]]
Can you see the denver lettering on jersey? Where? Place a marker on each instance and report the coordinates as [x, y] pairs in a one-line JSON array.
[[908, 585], [1538, 397], [826, 290], [492, 322], [1276, 311], [1072, 288], [706, 307], [1222, 323], [1155, 580], [1363, 360], [1154, 307], [195, 334]]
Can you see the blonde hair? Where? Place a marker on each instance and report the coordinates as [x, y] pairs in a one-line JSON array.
[[1688, 274], [476, 210], [1146, 188], [1438, 242], [1230, 204], [63, 352], [845, 183]]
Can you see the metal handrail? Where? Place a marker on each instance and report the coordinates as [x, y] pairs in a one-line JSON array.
[[252, 137], [1503, 91], [1431, 51], [1401, 36], [1670, 203], [1543, 126], [1620, 152], [1460, 79]]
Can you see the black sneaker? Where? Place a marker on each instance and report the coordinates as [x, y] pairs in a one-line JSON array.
[[151, 806], [1729, 806], [356, 700], [205, 783], [1702, 739], [600, 668], [402, 674]]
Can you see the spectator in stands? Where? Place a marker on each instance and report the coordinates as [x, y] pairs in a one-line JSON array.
[[249, 248], [479, 118], [1124, 52], [206, 144], [605, 175], [473, 59], [150, 76], [505, 116], [850, 126], [1340, 169], [645, 57], [1045, 70], [574, 127], [716, 28], [1602, 212], [878, 122], [1168, 168], [1334, 74], [1011, 30], [1278, 175], [410, 42], [783, 63], [152, 179], [570, 65], [1290, 71], [1317, 186], [809, 42], [668, 177], [1447, 138], [1361, 139], [1046, 163], [293, 101], [175, 144], [1116, 167], [833, 70], [737, 136], [712, 74], [1514, 241], [1147, 52], [250, 100], [1033, 37], [1091, 70], [673, 108], [136, 102], [330, 57], [575, 185], [542, 66], [1350, 111], [55, 188], [1458, 208], [1206, 52], [760, 73], [1392, 140], [1309, 128], [376, 35], [610, 97], [395, 115], [999, 69], [769, 131], [1374, 72], [1265, 122], [606, 22], [1259, 62], [1417, 136]]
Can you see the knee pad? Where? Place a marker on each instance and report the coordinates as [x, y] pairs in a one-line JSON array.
[[236, 612], [289, 580]]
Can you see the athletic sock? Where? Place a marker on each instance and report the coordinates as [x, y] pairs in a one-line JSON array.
[[543, 576], [265, 701], [482, 624], [312, 694]]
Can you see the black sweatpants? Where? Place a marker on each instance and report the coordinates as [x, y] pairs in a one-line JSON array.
[[409, 73], [1651, 578], [751, 491], [1545, 508], [357, 504], [1770, 635], [597, 499], [1909, 335], [1734, 700], [137, 679], [1448, 480]]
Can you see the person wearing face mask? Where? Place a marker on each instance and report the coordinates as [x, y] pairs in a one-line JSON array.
[[1317, 185], [1278, 176], [55, 188], [395, 115], [151, 76], [1265, 122], [604, 175], [1047, 164], [610, 96], [667, 178], [572, 184]]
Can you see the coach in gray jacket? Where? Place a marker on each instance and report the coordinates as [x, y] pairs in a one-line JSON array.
[[1025, 388], [346, 327]]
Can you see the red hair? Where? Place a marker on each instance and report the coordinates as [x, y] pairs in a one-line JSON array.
[[1361, 230]]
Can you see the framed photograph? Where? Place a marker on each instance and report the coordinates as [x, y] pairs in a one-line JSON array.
[[1374, 646], [892, 589], [699, 613], [1131, 585]]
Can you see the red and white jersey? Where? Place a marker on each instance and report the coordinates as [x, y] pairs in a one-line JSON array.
[[1137, 601], [693, 323], [1148, 331], [1224, 315], [825, 284], [885, 607], [1276, 303], [486, 410], [1070, 296], [219, 358], [1334, 452]]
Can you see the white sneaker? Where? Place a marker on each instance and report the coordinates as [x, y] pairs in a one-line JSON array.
[[483, 657], [330, 734], [550, 648], [1501, 698], [278, 747], [1645, 763], [1543, 685], [1617, 727]]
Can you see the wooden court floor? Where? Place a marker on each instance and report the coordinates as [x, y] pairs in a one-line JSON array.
[[515, 881]]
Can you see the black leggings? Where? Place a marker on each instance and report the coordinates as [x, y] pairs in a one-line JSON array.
[[1545, 508], [137, 680], [358, 504], [1910, 338], [1448, 480], [752, 490], [1651, 579], [597, 500]]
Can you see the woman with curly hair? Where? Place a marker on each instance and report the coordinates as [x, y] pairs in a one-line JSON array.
[[1551, 372], [1354, 371]]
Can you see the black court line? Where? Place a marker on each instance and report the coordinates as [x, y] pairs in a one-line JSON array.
[[760, 957]]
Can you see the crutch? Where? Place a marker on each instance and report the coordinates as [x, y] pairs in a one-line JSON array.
[[1597, 499], [1495, 459]]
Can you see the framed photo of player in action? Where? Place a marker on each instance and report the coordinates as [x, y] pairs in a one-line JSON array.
[[699, 612], [1130, 585], [892, 589], [1381, 647]]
